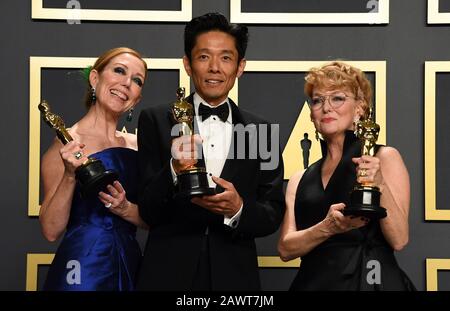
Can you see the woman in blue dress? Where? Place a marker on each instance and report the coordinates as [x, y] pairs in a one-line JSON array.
[[99, 250]]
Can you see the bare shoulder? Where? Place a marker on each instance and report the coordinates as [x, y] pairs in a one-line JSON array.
[[389, 154], [294, 181], [295, 178], [51, 158], [130, 140]]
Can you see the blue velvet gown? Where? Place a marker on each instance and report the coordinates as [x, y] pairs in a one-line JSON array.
[[99, 250]]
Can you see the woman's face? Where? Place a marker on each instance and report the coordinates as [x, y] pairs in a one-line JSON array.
[[333, 111], [119, 85]]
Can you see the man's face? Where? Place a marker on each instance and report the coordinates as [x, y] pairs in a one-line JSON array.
[[214, 66]]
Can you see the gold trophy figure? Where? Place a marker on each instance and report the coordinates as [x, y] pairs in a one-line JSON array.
[[365, 197], [192, 181], [91, 175]]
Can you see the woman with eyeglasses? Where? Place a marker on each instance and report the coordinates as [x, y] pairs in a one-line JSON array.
[[344, 252]]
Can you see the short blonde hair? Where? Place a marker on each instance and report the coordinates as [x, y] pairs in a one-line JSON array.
[[336, 75]]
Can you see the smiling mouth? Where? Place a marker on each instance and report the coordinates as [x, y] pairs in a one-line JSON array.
[[212, 81], [327, 120], [119, 94]]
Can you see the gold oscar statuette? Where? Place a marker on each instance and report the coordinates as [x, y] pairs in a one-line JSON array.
[[365, 197], [91, 175], [193, 181]]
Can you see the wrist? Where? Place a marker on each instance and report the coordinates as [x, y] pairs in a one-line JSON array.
[[325, 227], [176, 166], [69, 176], [125, 205]]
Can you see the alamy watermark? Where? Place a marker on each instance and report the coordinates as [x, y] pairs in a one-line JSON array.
[[253, 141], [73, 277], [75, 13], [374, 274], [372, 5]]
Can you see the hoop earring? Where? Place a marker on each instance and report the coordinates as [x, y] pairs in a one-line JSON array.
[[130, 115], [93, 95]]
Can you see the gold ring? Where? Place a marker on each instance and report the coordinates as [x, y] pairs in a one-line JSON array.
[[78, 155], [362, 172]]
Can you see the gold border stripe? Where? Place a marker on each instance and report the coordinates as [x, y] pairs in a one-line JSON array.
[[433, 14], [431, 211], [33, 262], [432, 267], [381, 17], [276, 262], [39, 12]]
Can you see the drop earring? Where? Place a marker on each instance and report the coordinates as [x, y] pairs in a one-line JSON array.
[[317, 135], [93, 96], [130, 115], [355, 126]]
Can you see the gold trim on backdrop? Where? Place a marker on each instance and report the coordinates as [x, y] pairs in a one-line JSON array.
[[431, 212], [292, 154], [432, 267], [381, 17], [276, 262], [39, 12], [33, 262], [39, 63], [434, 16]]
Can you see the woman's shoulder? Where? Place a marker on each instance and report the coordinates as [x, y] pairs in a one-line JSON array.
[[295, 180], [130, 140], [51, 155], [388, 153]]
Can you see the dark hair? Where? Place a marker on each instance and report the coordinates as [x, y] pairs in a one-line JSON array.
[[212, 22], [101, 63]]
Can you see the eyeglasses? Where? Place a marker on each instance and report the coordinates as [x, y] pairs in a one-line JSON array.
[[335, 101]]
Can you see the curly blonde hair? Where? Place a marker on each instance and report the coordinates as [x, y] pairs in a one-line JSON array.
[[337, 75]]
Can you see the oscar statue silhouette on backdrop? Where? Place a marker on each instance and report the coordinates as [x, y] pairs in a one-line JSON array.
[[305, 144]]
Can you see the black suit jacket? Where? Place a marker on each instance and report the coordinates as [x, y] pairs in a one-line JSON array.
[[177, 227]]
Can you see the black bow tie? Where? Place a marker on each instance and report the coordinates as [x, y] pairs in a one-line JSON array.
[[221, 111]]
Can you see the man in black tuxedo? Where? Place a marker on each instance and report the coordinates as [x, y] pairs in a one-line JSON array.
[[207, 242]]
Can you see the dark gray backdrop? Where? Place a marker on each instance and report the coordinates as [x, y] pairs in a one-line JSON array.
[[405, 43]]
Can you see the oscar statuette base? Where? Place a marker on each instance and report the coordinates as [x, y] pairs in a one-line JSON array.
[[192, 183], [365, 202], [93, 177]]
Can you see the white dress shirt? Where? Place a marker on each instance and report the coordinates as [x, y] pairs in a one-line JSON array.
[[216, 137]]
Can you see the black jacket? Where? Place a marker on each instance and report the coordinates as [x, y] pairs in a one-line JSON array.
[[177, 227]]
